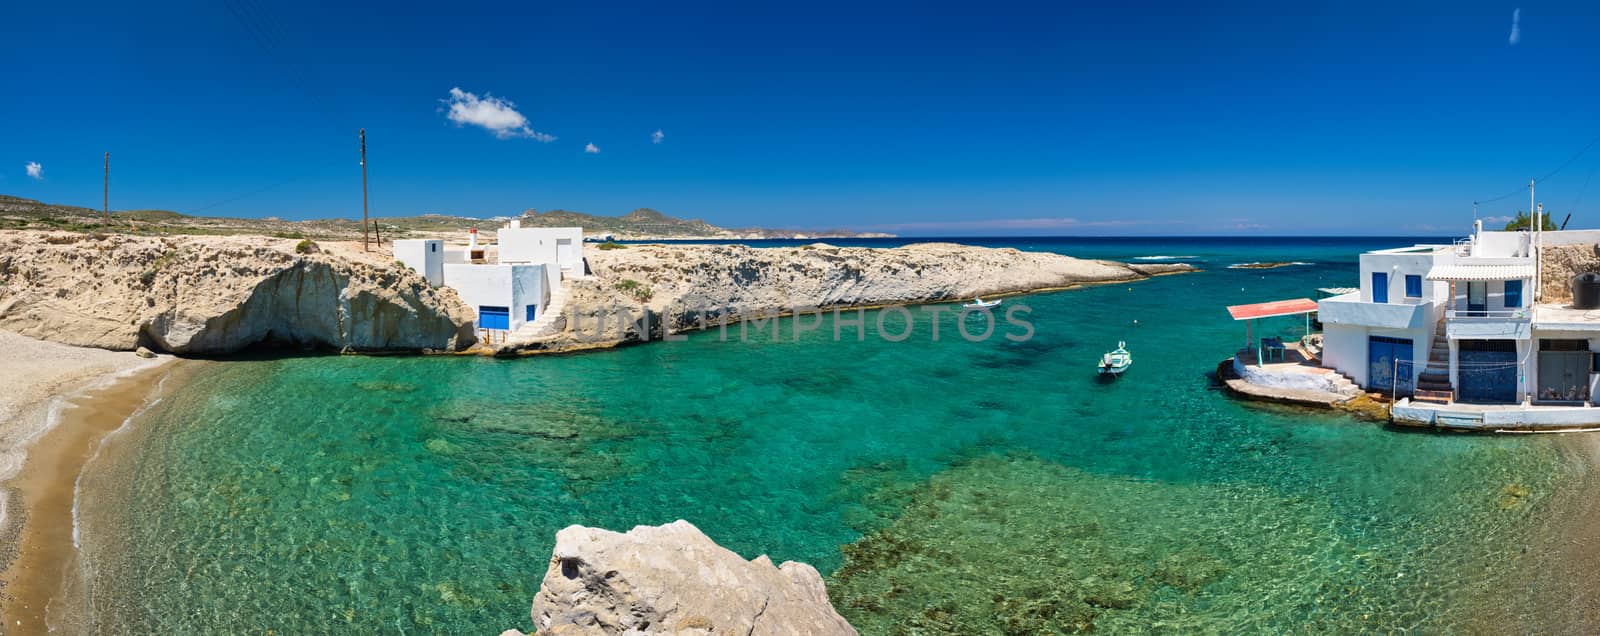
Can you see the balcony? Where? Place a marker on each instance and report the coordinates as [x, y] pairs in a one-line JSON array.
[[1349, 309], [1493, 324]]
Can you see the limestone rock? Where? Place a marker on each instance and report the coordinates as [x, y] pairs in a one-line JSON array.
[[682, 287], [144, 353], [672, 579], [216, 294]]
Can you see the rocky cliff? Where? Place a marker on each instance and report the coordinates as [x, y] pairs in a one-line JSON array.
[[672, 579], [213, 295], [681, 286]]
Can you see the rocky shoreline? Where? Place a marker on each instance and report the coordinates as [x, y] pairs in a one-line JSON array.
[[677, 288], [227, 294], [218, 295]]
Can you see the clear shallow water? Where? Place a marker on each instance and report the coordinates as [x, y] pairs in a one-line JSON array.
[[945, 486]]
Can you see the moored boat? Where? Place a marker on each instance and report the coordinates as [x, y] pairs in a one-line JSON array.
[[1114, 362]]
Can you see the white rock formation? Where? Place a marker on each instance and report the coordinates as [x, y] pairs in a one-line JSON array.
[[682, 285], [672, 579], [210, 295]]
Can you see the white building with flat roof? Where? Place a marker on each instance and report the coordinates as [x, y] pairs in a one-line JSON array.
[[1381, 335], [514, 290]]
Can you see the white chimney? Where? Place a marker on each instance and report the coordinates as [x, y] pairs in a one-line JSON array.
[[516, 224], [472, 235]]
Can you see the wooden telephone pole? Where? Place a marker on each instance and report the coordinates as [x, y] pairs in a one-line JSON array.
[[105, 192], [364, 245]]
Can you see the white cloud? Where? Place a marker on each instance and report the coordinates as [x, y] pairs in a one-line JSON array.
[[592, 149], [35, 170], [1516, 27], [657, 136], [496, 115]]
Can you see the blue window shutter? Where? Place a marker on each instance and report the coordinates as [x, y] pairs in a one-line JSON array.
[[1513, 294], [1380, 287], [1413, 286], [530, 313]]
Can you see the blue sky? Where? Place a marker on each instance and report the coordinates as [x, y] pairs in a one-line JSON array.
[[914, 118]]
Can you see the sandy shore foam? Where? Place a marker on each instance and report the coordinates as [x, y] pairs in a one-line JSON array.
[[39, 379]]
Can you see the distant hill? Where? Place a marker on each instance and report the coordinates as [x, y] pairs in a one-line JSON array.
[[643, 223]]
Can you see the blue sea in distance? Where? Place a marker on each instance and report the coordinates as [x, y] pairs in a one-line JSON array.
[[941, 486]]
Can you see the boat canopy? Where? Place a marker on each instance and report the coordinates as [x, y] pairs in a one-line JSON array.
[[1275, 308], [1480, 272]]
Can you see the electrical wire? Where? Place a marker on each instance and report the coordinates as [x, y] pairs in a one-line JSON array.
[[1547, 175]]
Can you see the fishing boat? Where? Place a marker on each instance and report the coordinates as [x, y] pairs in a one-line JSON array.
[[979, 303], [1114, 362]]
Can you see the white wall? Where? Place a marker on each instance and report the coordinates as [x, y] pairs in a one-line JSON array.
[[1489, 244], [1398, 264], [480, 285], [1344, 348], [561, 246], [1571, 237], [424, 255], [528, 287], [511, 286]]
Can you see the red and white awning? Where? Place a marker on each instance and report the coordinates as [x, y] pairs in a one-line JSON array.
[[1290, 307]]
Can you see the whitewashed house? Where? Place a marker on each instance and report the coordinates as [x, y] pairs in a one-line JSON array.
[[1501, 355], [1381, 336], [514, 289]]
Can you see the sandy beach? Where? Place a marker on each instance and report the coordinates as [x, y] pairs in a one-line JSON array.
[[58, 402]]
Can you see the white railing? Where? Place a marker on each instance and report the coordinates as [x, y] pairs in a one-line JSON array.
[[1489, 314]]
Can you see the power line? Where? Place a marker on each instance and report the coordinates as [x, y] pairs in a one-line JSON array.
[[1547, 175]]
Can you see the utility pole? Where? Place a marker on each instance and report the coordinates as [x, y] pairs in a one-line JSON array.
[[364, 246], [1536, 220], [105, 192]]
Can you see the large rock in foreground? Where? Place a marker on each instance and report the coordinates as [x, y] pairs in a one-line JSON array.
[[214, 295], [673, 579]]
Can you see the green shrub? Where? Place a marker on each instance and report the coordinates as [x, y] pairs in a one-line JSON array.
[[306, 246], [639, 291], [612, 245]]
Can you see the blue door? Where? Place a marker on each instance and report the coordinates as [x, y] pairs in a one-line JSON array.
[[1385, 358], [1380, 287], [1487, 371], [494, 317], [531, 312], [1477, 298]]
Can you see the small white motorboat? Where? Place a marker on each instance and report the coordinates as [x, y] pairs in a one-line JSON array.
[[979, 303], [1114, 362]]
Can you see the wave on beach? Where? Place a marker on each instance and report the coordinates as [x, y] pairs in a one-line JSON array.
[[1162, 257], [1266, 265]]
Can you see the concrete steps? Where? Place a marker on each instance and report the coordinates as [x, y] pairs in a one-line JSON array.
[[1433, 396], [545, 324], [1433, 384]]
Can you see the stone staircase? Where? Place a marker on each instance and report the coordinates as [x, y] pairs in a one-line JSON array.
[[1434, 383], [1343, 385], [546, 324]]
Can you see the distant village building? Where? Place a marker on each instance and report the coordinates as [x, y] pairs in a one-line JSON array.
[[528, 266]]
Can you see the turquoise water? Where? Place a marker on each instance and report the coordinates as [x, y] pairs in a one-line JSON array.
[[945, 486]]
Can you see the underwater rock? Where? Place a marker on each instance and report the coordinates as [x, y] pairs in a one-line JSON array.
[[672, 578]]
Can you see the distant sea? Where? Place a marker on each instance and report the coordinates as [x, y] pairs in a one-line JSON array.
[[942, 486]]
